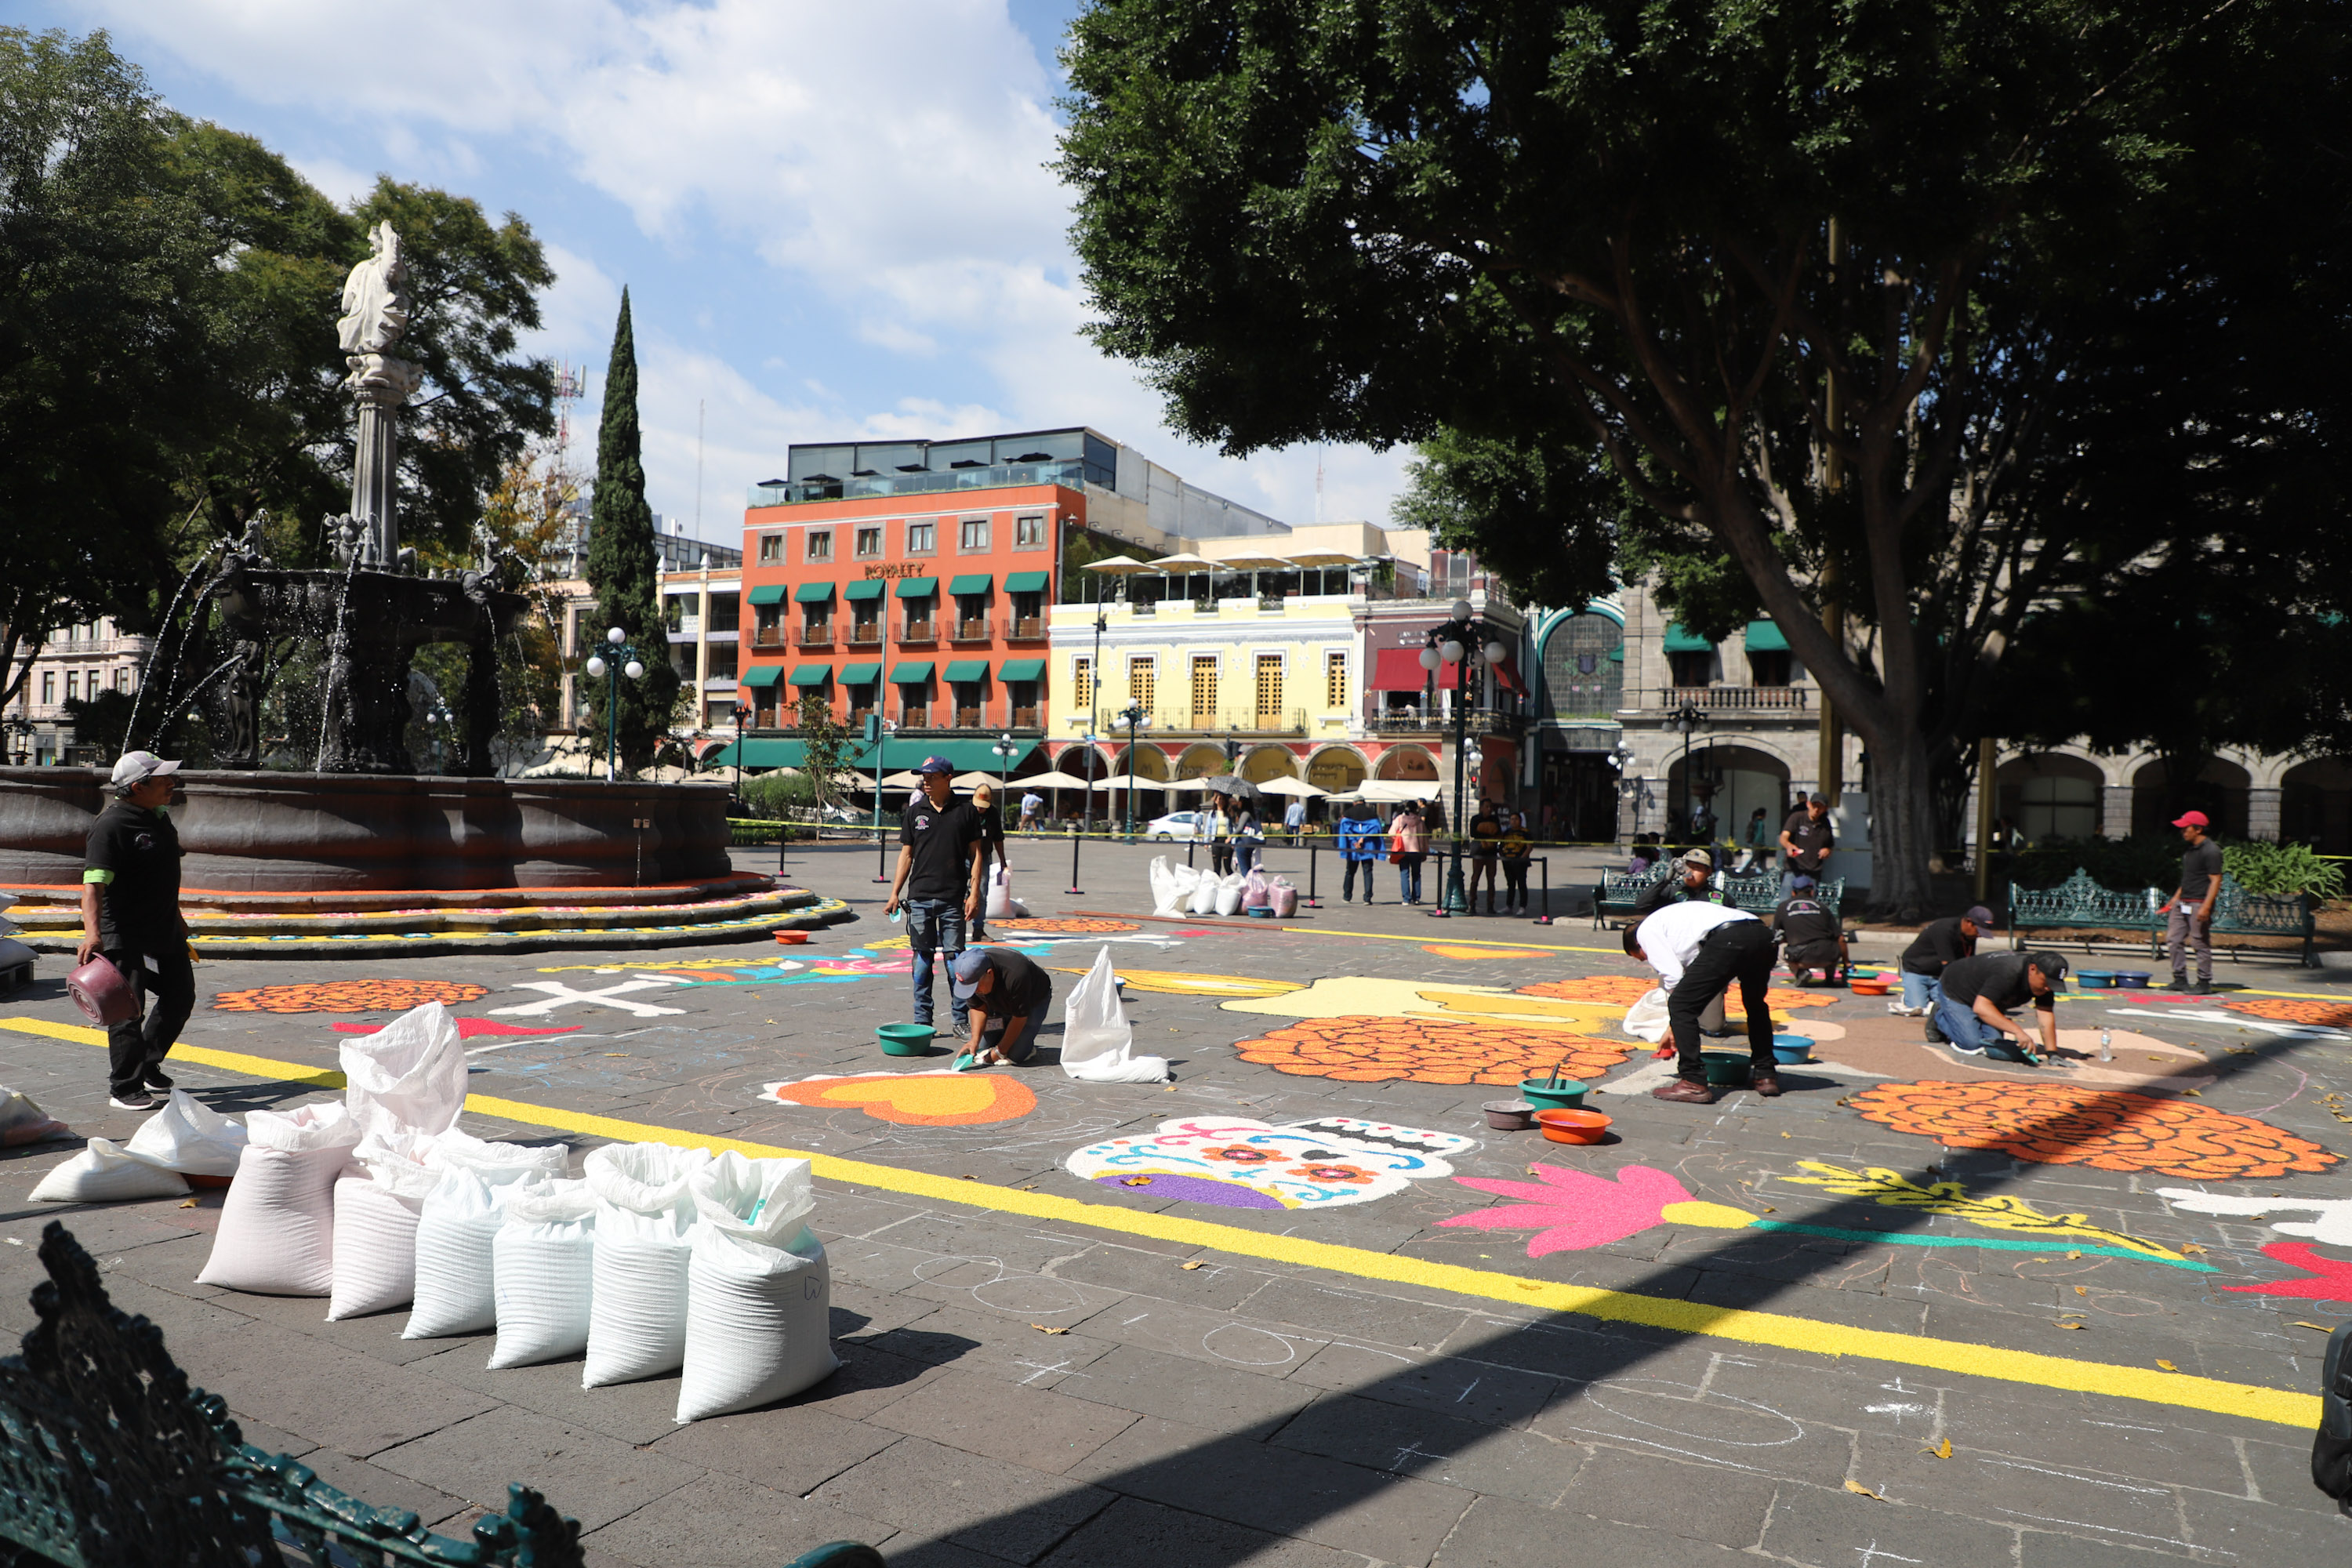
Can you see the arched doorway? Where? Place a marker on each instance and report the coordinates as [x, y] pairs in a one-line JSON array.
[[1336, 770], [1733, 783], [1200, 762], [2049, 795], [2315, 805], [1151, 762], [2219, 791], [1269, 762], [1409, 764]]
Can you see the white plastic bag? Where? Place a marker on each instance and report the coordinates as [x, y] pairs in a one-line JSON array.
[[1257, 893], [1282, 898], [543, 1263], [1646, 1020], [21, 1121], [277, 1231], [1204, 893], [1097, 1045], [636, 1305], [1168, 895], [377, 1201], [410, 1074], [456, 1231], [758, 1294], [103, 1173], [498, 1164], [191, 1138], [647, 1178], [1229, 893], [999, 892]]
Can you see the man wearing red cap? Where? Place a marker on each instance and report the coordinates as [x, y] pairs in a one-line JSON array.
[[2191, 904]]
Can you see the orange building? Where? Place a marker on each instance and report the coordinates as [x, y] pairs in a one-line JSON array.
[[914, 578]]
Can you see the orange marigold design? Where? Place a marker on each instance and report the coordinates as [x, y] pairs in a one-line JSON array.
[[1625, 990], [2325, 1014], [1426, 1050], [2070, 1124], [348, 996], [1067, 927]]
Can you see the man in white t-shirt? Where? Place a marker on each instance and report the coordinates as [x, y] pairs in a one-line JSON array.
[[1698, 950], [1032, 803]]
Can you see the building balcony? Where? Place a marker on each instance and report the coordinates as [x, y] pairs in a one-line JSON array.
[[865, 633], [976, 630], [967, 718], [1025, 628], [768, 636], [1028, 718], [1477, 722], [817, 635], [913, 632], [1761, 699]]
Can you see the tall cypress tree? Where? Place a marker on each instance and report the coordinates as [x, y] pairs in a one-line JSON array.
[[624, 567]]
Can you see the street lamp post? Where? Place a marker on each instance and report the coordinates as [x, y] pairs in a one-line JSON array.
[[1133, 714], [739, 713], [1087, 826], [1686, 719], [1463, 642], [630, 660]]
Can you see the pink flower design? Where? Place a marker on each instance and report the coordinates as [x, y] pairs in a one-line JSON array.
[[1571, 1210], [2330, 1278]]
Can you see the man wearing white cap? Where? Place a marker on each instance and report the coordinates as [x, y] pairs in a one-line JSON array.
[[131, 912]]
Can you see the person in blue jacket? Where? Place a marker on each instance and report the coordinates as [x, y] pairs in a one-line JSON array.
[[1362, 841]]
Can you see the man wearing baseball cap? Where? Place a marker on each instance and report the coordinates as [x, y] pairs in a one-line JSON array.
[[1939, 944], [131, 912], [1688, 878], [1009, 997], [2190, 907], [941, 861], [1980, 993]]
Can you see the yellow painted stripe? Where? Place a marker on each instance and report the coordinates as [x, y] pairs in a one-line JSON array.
[[1442, 940], [1780, 1331]]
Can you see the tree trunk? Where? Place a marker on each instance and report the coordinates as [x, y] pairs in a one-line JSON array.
[[1902, 826]]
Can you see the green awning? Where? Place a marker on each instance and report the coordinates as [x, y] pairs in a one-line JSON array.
[[811, 674], [1022, 668], [1025, 581], [869, 589], [1763, 637], [763, 674], [865, 674], [768, 594], [910, 671], [968, 756], [973, 583], [918, 588], [1617, 654], [1681, 639], [966, 669], [813, 594], [757, 753]]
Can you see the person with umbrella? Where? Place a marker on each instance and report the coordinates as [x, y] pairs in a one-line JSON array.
[[1249, 838], [1221, 842]]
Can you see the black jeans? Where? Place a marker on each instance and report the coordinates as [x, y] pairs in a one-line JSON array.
[[132, 1046], [1737, 951]]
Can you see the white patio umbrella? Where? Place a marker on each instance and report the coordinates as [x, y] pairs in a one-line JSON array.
[[1391, 792], [1285, 785], [1055, 780], [1118, 566], [1182, 561]]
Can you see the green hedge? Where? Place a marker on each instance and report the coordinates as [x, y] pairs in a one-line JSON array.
[[2153, 860]]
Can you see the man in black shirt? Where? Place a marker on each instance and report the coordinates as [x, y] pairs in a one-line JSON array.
[[1811, 937], [131, 912], [1806, 840], [1009, 997], [2190, 918], [1485, 853], [1694, 884], [1980, 993], [1938, 944], [941, 860]]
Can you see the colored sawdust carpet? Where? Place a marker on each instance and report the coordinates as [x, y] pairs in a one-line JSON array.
[[2068, 1124], [467, 1028], [2324, 1278], [348, 996], [2293, 1010], [1474, 954], [1427, 1050], [1237, 1163], [1175, 983], [1625, 990], [916, 1098], [1066, 927]]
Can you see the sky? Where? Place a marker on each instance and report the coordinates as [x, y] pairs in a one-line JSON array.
[[835, 221]]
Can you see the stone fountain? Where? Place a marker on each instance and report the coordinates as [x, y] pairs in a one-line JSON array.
[[365, 852]]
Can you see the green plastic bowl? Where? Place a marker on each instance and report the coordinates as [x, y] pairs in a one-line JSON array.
[[1568, 1096], [904, 1039], [1724, 1071]]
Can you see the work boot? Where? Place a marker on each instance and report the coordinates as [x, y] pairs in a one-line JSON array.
[[2181, 983], [1935, 1033], [1685, 1091], [1765, 1081]]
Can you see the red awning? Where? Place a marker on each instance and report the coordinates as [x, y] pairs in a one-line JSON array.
[[1399, 669], [1507, 675]]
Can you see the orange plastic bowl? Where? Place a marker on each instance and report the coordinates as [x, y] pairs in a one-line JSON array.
[[1572, 1126], [792, 938]]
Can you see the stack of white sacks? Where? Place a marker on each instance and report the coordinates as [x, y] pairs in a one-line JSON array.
[[659, 1259]]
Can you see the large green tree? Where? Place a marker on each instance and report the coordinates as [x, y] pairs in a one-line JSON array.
[[1788, 297], [624, 568], [168, 357]]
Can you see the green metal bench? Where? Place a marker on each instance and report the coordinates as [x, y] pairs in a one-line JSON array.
[[1759, 893], [2080, 903], [109, 1457]]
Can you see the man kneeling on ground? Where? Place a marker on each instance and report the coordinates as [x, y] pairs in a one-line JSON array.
[[1698, 950], [1810, 934], [1939, 945], [1979, 994], [1009, 997]]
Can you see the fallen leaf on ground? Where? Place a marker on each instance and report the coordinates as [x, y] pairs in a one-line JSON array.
[[2323, 1328], [2194, 1093], [1942, 1450], [2191, 1246], [1769, 1209], [1043, 1330], [2074, 1255], [1189, 1266], [1860, 1490], [2168, 1366], [2073, 1325], [189, 1203], [967, 1178], [2081, 1290]]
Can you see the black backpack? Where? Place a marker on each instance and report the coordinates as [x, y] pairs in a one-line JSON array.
[[2331, 1451]]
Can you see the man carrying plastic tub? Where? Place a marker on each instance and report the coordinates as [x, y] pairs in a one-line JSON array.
[[1979, 994], [1698, 950], [1939, 945], [942, 865], [131, 912], [1008, 997]]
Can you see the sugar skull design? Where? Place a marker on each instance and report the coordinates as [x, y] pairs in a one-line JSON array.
[[1237, 1163]]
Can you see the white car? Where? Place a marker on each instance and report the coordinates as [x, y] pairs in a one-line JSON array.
[[1177, 826]]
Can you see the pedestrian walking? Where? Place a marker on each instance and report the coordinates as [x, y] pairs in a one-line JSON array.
[[1408, 850], [1979, 994], [1699, 951], [1032, 806], [2189, 911], [1221, 839], [991, 854], [1517, 851], [1939, 945], [1754, 847], [1007, 997], [130, 913], [1360, 836], [1249, 839], [1812, 936], [1294, 819], [938, 882], [1806, 840], [1485, 852]]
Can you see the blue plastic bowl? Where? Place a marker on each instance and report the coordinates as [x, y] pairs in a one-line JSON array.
[[1792, 1047]]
